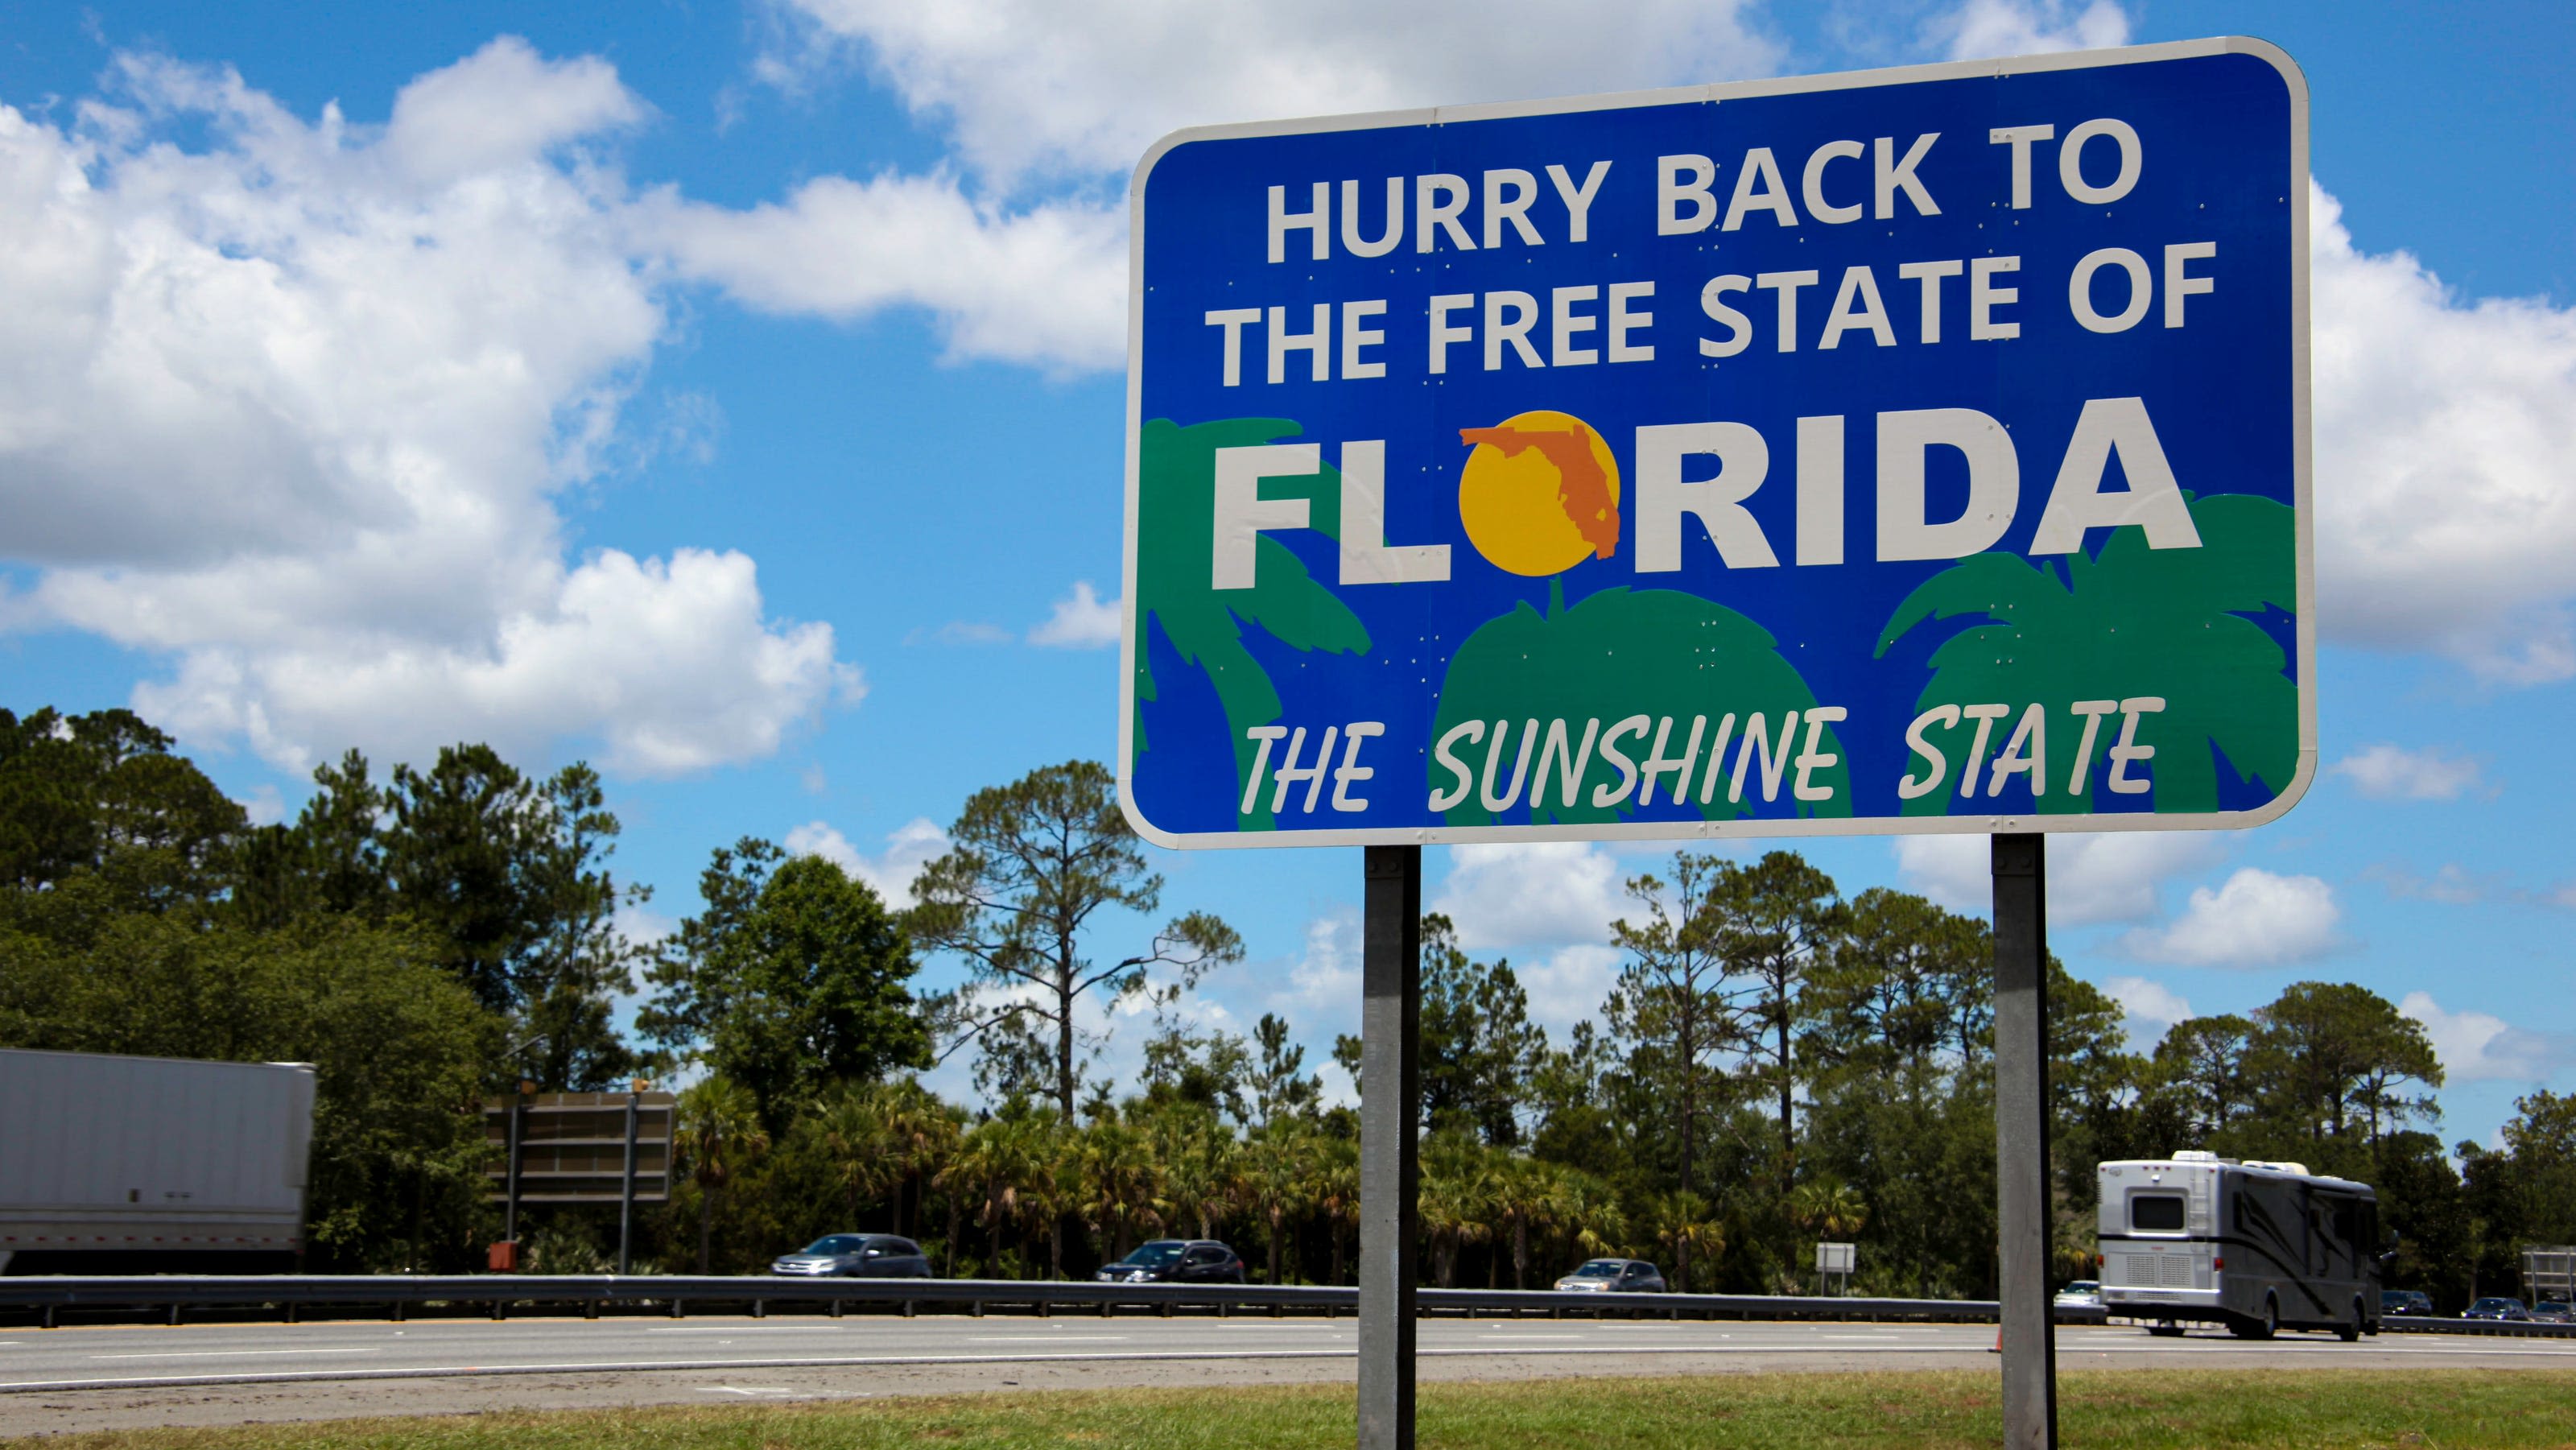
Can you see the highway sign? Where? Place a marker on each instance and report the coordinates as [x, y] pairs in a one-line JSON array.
[[1917, 450]]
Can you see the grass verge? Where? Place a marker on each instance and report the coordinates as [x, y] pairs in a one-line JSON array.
[[2350, 1410]]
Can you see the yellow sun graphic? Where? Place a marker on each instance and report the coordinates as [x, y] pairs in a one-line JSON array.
[[1540, 493]]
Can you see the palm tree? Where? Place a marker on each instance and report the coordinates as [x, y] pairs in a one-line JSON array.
[[1199, 1168], [1589, 1213], [1337, 1192], [996, 1162], [922, 1133], [1054, 1186], [719, 1132], [1828, 1208], [1205, 628], [1455, 1205], [1122, 1182], [851, 1123], [1653, 652], [2127, 621], [1683, 1222], [1278, 1169], [1525, 1191]]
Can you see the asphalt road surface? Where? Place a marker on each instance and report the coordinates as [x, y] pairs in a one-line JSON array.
[[100, 1378]]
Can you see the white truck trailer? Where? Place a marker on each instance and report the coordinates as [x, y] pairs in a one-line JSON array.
[[2257, 1247], [137, 1165]]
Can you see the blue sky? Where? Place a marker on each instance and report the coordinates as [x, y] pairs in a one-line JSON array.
[[729, 394]]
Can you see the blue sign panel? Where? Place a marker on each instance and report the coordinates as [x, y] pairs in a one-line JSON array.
[[1919, 450]]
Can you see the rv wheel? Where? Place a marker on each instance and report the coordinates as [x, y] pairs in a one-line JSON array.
[[2271, 1322], [2165, 1328], [2351, 1333]]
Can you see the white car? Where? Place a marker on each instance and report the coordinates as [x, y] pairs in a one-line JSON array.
[[2082, 1294]]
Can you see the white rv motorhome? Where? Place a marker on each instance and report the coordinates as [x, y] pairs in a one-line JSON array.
[[2257, 1247]]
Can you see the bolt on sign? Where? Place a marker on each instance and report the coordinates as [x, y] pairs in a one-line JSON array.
[[1917, 450]]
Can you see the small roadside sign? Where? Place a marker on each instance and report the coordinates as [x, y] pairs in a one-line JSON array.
[[1916, 450]]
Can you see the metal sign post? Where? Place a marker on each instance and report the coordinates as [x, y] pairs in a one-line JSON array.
[[626, 1183], [518, 1119], [1390, 1012], [1921, 450], [2029, 1333]]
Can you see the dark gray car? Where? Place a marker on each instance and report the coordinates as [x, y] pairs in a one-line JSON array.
[[1176, 1261], [856, 1256]]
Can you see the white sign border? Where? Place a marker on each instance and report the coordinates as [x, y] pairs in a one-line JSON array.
[[2302, 453]]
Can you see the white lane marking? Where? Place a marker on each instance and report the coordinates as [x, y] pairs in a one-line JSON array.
[[229, 1353], [1042, 1339], [759, 1329], [1522, 1338], [1878, 1337], [752, 1390]]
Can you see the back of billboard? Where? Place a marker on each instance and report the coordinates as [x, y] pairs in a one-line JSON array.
[[1919, 450]]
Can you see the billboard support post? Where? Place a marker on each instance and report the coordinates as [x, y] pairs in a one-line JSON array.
[[2029, 1338], [626, 1185], [518, 1118], [1390, 1013]]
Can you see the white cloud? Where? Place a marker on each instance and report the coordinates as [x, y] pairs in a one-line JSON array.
[[287, 405], [1045, 286], [2450, 883], [2149, 1006], [1320, 993], [2387, 772], [1082, 620], [2445, 425], [2476, 1047], [1568, 985], [670, 663], [642, 926], [264, 806], [960, 632], [1032, 87], [500, 108], [1540, 893], [2256, 919], [1990, 29], [891, 872], [2092, 878]]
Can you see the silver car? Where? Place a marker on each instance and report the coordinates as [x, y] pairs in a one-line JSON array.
[[1614, 1276], [856, 1256]]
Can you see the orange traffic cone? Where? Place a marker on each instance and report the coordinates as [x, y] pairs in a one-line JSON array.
[[1999, 1338]]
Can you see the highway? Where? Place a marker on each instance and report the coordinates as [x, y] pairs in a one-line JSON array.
[[99, 1378]]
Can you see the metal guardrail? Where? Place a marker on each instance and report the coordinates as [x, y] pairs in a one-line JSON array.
[[2511, 1329], [499, 1294]]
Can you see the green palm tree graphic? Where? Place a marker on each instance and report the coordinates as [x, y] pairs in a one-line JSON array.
[[1659, 653], [1176, 522], [2127, 622]]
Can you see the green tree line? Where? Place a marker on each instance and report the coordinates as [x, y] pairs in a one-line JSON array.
[[1776, 1064]]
